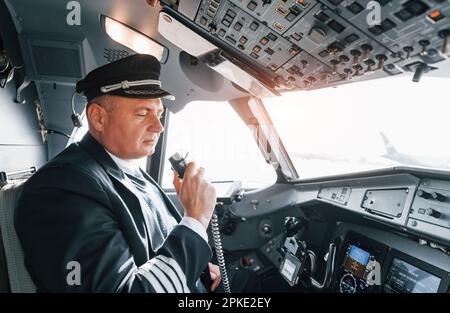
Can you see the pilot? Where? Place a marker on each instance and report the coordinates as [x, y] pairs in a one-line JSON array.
[[91, 220]]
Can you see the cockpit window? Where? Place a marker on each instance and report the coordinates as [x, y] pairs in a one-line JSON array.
[[217, 139], [364, 126]]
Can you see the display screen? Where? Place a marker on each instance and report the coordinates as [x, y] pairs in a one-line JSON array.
[[406, 278], [356, 261]]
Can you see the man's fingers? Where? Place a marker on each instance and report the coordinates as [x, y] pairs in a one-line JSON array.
[[191, 170], [176, 182], [215, 276], [216, 282]]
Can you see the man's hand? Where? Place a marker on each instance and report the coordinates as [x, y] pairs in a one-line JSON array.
[[196, 194], [214, 271]]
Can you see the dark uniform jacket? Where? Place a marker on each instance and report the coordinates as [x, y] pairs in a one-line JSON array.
[[79, 207]]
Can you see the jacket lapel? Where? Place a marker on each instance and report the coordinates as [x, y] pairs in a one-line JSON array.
[[101, 156]]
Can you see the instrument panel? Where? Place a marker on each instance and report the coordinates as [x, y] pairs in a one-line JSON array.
[[308, 44], [387, 263]]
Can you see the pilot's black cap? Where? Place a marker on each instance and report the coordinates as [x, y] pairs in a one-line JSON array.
[[135, 76]]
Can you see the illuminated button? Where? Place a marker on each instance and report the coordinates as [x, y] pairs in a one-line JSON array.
[[256, 49], [436, 16], [294, 50], [243, 40], [254, 55], [278, 26], [264, 41], [282, 10]]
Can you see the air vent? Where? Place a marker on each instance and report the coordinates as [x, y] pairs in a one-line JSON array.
[[54, 60], [114, 54]]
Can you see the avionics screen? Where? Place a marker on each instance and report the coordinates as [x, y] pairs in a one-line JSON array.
[[356, 260], [406, 278]]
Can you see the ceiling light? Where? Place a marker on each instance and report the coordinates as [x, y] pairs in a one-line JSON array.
[[134, 40]]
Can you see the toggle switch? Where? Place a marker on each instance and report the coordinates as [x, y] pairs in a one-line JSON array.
[[369, 64], [424, 44], [356, 54], [334, 63], [381, 59], [366, 48], [438, 196], [358, 68], [304, 63], [312, 80], [343, 59], [432, 212], [423, 194], [421, 69], [445, 33], [408, 50], [348, 73], [335, 47]]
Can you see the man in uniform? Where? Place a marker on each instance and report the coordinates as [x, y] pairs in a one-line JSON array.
[[92, 206]]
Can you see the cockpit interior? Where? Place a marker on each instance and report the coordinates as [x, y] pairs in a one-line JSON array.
[[321, 124]]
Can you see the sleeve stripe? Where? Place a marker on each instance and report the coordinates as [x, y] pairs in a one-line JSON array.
[[168, 271], [174, 275], [153, 281], [163, 279], [174, 265]]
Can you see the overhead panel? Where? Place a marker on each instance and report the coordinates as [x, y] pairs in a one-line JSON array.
[[308, 44]]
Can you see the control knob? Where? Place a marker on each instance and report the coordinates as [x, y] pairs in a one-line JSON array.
[[432, 212], [423, 194]]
